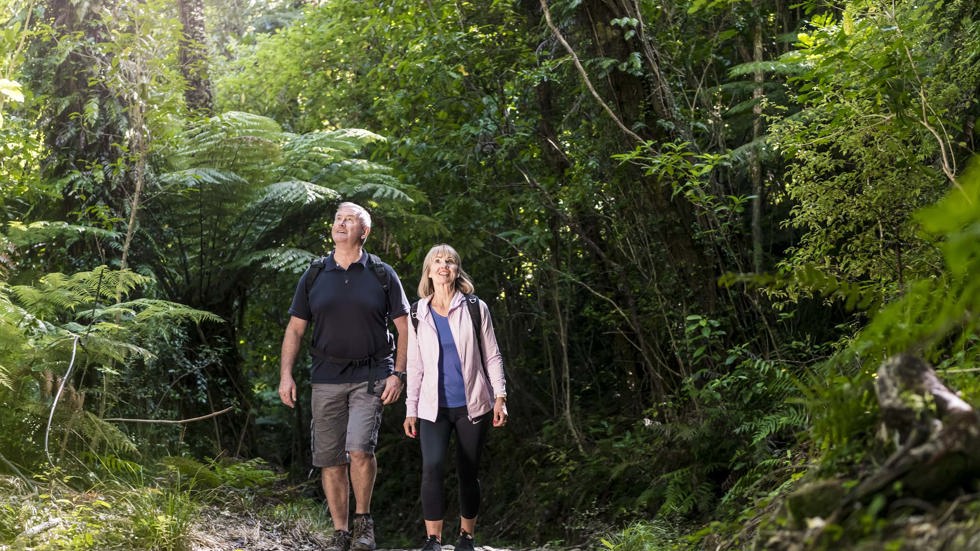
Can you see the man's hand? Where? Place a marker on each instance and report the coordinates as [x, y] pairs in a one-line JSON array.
[[393, 389], [287, 391]]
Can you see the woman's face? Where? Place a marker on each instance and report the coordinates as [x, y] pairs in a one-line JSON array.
[[443, 270]]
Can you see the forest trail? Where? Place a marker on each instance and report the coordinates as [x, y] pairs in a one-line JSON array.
[[225, 530]]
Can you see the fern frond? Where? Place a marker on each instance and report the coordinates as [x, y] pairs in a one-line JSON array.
[[201, 177], [107, 342], [114, 465], [379, 190], [102, 435], [280, 260], [57, 293], [191, 473], [294, 192], [25, 235], [232, 139], [306, 155], [685, 493], [795, 418], [155, 310]]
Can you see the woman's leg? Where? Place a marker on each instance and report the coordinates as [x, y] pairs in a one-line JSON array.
[[470, 439], [434, 440]]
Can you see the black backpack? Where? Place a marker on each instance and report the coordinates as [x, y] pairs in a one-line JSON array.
[[473, 304]]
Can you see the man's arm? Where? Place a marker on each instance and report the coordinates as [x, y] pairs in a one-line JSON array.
[[291, 342], [393, 389], [401, 352]]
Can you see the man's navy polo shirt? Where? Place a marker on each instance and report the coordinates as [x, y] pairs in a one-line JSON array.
[[347, 310]]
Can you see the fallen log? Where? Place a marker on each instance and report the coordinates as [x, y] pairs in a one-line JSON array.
[[936, 433]]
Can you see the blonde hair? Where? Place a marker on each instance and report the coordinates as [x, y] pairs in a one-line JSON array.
[[463, 282]]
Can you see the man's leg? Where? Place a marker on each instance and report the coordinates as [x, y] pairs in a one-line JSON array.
[[329, 434], [336, 486], [362, 439], [363, 471]]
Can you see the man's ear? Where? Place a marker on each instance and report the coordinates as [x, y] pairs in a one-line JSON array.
[[364, 235]]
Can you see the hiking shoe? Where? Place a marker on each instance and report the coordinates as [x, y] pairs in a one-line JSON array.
[[339, 541], [363, 533], [465, 542], [432, 544]]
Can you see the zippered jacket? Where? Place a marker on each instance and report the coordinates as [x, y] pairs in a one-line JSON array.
[[482, 386]]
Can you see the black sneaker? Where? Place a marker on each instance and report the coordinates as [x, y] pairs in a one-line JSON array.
[[465, 542], [432, 544], [339, 541], [362, 533]]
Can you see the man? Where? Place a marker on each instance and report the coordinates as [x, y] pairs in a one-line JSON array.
[[354, 375]]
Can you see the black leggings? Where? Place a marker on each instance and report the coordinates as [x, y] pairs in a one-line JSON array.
[[434, 439]]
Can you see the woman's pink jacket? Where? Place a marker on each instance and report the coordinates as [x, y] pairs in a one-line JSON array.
[[422, 394]]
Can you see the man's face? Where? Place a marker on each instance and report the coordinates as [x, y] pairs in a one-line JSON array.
[[347, 227]]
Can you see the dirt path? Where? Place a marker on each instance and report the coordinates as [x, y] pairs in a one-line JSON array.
[[223, 530]]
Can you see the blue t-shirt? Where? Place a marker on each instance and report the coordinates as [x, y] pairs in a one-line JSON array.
[[452, 392]]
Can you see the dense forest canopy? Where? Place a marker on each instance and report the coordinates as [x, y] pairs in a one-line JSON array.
[[700, 227]]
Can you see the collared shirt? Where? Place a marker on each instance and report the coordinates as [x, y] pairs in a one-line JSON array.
[[347, 309]]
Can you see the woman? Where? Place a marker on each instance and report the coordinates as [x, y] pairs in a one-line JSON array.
[[454, 385]]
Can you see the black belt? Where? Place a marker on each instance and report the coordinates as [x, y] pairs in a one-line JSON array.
[[352, 362]]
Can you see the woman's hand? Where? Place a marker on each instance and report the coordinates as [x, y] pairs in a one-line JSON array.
[[410, 426], [500, 412]]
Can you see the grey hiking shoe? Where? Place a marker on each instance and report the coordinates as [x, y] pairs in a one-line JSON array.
[[465, 542], [362, 533], [339, 541], [432, 544]]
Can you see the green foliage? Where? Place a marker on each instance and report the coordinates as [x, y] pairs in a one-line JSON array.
[[933, 318], [600, 267], [74, 326], [646, 536], [881, 92], [242, 475]]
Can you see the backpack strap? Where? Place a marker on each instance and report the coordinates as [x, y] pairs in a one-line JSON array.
[[316, 266], [414, 313], [378, 268], [473, 304], [373, 262]]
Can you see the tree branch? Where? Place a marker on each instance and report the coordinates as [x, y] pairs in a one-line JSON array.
[[170, 421]]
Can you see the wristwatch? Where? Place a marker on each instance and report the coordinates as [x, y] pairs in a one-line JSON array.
[[401, 376]]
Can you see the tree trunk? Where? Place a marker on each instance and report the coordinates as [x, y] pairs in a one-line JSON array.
[[756, 167], [193, 57]]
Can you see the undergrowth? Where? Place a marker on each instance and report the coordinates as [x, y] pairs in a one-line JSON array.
[[140, 507]]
